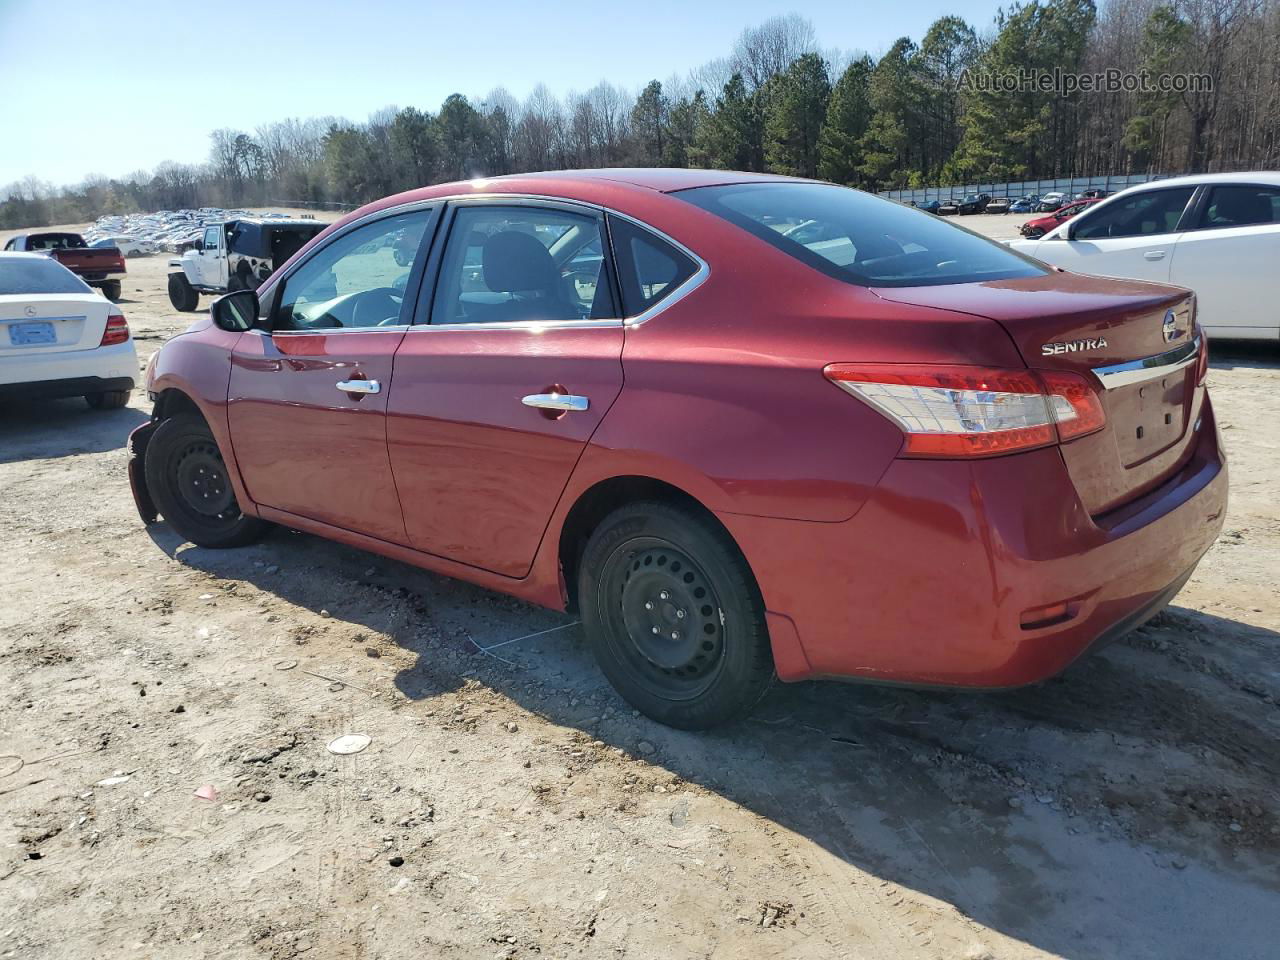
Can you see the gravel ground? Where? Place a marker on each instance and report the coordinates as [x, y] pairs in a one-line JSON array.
[[510, 805]]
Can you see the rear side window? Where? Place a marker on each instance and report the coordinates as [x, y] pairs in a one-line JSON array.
[[649, 268], [1148, 213], [1241, 207], [861, 239], [38, 275]]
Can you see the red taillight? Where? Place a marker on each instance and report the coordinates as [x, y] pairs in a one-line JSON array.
[[117, 330], [1077, 408], [956, 411]]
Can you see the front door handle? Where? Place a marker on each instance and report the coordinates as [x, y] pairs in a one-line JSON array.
[[1154, 255], [359, 386], [556, 401]]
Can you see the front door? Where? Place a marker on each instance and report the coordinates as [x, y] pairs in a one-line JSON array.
[[496, 397], [307, 401], [1129, 237], [213, 259]]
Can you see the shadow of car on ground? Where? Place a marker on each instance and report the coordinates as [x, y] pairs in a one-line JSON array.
[[48, 429], [1089, 810]]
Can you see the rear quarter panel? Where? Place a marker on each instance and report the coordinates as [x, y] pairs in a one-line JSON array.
[[724, 392]]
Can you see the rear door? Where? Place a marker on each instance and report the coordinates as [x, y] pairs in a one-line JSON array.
[[1130, 237], [307, 400], [516, 358], [1229, 258]]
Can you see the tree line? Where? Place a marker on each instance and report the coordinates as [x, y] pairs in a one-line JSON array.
[[917, 115]]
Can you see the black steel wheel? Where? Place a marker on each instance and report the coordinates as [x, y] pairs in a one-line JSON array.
[[674, 616], [191, 486]]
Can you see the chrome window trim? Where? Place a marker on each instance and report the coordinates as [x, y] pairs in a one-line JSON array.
[[695, 280], [327, 331], [1148, 368]]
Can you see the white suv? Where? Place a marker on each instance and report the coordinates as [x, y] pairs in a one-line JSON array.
[[59, 337], [1217, 234]]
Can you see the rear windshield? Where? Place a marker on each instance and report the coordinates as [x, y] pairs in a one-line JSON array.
[[859, 238], [38, 275], [55, 241]]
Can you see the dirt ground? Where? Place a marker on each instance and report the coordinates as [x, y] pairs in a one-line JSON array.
[[509, 805]]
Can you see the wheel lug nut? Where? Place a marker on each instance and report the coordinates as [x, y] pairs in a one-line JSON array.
[[679, 614], [675, 634], [655, 629], [664, 595], [648, 604]]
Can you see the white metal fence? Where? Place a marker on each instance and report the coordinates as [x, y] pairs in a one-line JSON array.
[[1068, 185]]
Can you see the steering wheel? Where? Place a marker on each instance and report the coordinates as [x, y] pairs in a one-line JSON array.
[[379, 307]]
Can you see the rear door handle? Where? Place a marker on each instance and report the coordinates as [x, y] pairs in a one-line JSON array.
[[359, 386], [1154, 255], [556, 401]]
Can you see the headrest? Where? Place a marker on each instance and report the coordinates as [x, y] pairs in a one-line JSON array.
[[1241, 208], [516, 262]]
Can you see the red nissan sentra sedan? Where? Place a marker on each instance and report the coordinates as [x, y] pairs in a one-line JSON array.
[[745, 425]]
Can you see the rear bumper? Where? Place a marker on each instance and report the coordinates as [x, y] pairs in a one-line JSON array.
[[69, 373], [57, 389], [943, 576]]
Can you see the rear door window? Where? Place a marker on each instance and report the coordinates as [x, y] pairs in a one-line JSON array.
[[523, 264], [858, 238], [1149, 213], [1240, 206]]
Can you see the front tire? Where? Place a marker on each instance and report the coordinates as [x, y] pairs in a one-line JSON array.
[[181, 294], [108, 400], [191, 486], [674, 616]]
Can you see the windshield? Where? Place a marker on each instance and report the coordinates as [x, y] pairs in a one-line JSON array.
[[37, 275], [858, 238]]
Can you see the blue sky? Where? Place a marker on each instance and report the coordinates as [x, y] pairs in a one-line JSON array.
[[112, 87]]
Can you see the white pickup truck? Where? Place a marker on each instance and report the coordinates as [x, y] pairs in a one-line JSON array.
[[236, 255]]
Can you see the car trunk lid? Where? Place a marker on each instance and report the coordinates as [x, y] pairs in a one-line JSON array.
[[1134, 341], [43, 323]]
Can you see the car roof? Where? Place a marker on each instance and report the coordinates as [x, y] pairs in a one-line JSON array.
[[1268, 177], [610, 186], [22, 255]]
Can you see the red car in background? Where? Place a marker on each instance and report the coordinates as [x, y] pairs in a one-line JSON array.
[[96, 266], [1034, 229], [744, 425]]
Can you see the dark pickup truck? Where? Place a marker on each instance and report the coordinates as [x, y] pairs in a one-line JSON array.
[[93, 265]]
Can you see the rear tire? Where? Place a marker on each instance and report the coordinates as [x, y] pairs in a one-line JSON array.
[[674, 616], [191, 486], [111, 290], [181, 294], [109, 400]]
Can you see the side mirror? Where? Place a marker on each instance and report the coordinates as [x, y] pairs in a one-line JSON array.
[[235, 312]]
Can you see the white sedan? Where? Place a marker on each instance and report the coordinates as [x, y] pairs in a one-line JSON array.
[[1216, 234], [59, 337], [129, 246]]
